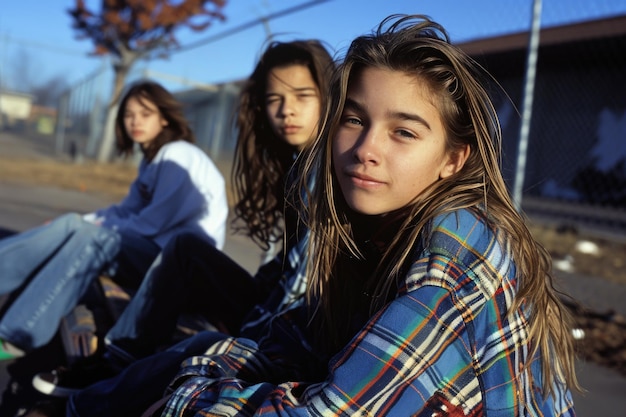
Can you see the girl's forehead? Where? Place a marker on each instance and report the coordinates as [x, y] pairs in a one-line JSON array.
[[288, 66], [376, 78], [299, 72], [141, 100]]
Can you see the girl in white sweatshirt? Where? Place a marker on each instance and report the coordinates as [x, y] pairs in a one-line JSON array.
[[178, 188]]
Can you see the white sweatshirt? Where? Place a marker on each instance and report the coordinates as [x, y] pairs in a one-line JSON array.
[[181, 189]]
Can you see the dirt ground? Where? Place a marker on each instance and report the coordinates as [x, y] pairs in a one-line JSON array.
[[605, 341]]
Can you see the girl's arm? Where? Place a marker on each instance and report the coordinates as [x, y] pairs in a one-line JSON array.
[[404, 355], [132, 203], [166, 195]]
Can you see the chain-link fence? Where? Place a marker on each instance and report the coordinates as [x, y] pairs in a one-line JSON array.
[[81, 115], [575, 166], [576, 156]]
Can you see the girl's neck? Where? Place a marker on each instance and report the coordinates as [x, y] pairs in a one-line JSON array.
[[375, 230], [286, 155]]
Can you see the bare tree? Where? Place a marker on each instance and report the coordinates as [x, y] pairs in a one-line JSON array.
[[130, 30]]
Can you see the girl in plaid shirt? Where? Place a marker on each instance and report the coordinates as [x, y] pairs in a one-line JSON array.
[[426, 293]]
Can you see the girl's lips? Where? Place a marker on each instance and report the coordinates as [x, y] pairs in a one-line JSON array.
[[290, 129], [361, 179]]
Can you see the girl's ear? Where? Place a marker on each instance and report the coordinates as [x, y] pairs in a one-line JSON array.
[[164, 122], [456, 160]]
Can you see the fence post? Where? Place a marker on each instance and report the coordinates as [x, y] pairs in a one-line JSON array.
[[61, 123], [529, 86]]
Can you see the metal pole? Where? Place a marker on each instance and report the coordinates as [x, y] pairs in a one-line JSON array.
[[529, 87], [61, 123]]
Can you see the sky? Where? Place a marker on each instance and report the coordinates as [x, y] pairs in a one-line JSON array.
[[38, 43]]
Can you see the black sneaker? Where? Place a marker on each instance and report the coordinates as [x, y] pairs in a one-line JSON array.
[[63, 382]]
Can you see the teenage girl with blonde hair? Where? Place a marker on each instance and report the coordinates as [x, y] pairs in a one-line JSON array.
[[427, 294]]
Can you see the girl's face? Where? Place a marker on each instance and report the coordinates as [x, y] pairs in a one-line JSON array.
[[142, 120], [292, 103], [390, 144]]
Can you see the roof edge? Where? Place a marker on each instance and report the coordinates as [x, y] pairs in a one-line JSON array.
[[593, 29]]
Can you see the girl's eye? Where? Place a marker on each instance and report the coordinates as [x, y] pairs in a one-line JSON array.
[[406, 134], [272, 99], [351, 120]]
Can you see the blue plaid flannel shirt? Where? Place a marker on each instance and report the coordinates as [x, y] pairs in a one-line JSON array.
[[444, 343]]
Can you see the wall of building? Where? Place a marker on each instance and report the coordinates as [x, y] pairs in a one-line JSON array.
[[14, 108], [577, 142]]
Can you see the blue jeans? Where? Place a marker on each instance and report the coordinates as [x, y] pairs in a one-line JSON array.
[[49, 268], [140, 384], [189, 276]]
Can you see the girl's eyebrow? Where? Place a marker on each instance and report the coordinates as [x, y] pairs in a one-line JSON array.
[[302, 89], [294, 89], [357, 107], [353, 105]]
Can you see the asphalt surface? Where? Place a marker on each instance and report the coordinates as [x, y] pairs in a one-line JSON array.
[[23, 207]]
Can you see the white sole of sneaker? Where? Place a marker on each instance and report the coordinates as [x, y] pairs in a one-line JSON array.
[[45, 382]]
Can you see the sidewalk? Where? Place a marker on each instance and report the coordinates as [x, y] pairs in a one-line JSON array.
[[22, 207]]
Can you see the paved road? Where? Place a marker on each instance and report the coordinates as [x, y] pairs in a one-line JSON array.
[[22, 207]]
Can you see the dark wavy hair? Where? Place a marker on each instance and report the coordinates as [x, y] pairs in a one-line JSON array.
[[170, 109], [261, 159]]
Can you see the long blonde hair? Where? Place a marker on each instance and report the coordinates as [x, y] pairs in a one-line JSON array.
[[417, 46]]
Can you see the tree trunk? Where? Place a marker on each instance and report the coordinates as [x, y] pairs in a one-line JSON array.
[[107, 141]]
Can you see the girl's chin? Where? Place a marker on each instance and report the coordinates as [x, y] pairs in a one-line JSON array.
[[364, 210], [142, 143], [297, 143]]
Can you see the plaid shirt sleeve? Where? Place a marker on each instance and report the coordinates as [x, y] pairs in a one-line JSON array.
[[444, 345]]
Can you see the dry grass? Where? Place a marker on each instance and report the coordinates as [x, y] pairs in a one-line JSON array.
[[109, 179]]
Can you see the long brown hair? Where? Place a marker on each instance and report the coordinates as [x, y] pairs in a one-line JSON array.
[[170, 109], [261, 159], [419, 47]]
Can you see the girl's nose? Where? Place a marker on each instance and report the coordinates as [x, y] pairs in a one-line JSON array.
[[367, 148], [288, 108]]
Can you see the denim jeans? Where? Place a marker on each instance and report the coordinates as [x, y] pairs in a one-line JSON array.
[[49, 268], [189, 276], [140, 384]]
